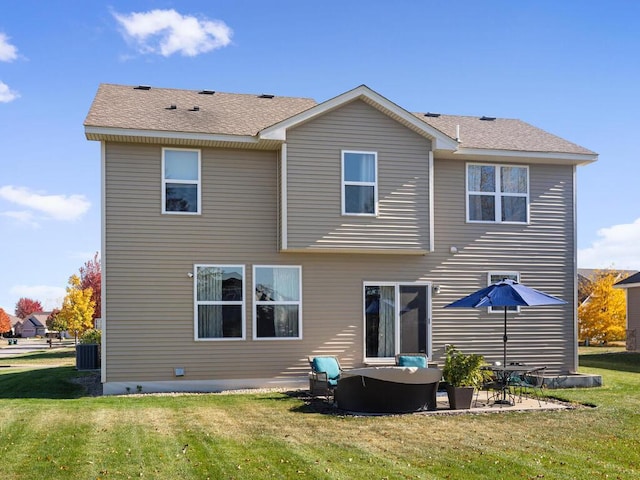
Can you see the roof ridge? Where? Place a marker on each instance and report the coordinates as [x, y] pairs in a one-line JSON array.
[[217, 92], [467, 116]]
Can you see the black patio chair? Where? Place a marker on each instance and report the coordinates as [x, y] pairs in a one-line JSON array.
[[532, 382]]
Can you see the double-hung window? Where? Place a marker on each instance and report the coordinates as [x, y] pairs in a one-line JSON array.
[[397, 319], [497, 193], [277, 305], [180, 181], [495, 277], [359, 183], [219, 302]]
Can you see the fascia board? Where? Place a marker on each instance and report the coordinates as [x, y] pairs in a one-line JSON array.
[[627, 285], [279, 130], [572, 158], [99, 133]]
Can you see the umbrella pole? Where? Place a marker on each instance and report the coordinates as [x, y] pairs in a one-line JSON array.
[[504, 339]]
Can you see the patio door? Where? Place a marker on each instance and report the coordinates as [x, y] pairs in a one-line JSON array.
[[397, 320]]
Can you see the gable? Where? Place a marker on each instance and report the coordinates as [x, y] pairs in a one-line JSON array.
[[378, 102]]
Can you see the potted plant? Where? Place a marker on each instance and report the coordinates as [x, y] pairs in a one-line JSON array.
[[462, 374]]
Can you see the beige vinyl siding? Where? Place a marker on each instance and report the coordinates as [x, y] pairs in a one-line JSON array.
[[542, 252], [633, 318], [149, 296], [314, 167]]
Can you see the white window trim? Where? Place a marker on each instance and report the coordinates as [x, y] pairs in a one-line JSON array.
[[503, 275], [262, 302], [373, 184], [496, 193], [219, 302], [396, 285], [198, 183]]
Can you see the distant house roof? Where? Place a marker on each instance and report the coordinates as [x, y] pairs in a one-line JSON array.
[[588, 275], [38, 319], [129, 113], [14, 320], [632, 281]]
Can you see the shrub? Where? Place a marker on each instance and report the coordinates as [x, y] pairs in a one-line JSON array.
[[91, 336], [462, 370]]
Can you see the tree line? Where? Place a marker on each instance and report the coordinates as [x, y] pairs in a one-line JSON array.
[[80, 307]]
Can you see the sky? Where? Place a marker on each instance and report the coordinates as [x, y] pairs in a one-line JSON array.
[[571, 68]]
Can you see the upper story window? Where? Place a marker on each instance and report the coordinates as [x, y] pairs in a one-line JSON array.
[[497, 193], [219, 302], [359, 183], [180, 181], [277, 302]]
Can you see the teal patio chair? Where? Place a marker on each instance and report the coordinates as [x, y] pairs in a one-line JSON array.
[[324, 375]]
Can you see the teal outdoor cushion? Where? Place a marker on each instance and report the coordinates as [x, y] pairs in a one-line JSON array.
[[412, 361], [328, 365]]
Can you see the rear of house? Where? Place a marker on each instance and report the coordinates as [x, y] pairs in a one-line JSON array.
[[242, 233]]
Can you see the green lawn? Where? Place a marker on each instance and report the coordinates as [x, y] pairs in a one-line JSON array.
[[50, 430]]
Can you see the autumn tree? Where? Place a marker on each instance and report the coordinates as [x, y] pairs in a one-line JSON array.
[[55, 322], [5, 322], [91, 277], [26, 307], [77, 308], [602, 316]]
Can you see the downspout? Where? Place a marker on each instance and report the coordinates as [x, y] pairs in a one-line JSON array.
[[283, 199], [431, 206], [575, 272], [103, 262]]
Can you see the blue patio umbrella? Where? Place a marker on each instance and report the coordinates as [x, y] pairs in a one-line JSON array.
[[506, 293]]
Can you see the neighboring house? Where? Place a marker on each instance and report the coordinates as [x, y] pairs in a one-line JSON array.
[[242, 233], [16, 325], [632, 287], [35, 325]]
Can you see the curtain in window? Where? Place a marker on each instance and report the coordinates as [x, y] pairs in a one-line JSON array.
[[209, 289], [513, 180], [387, 312], [285, 288]]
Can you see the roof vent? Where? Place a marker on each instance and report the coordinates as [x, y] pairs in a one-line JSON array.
[[195, 109], [171, 107], [487, 119], [434, 115], [266, 95], [142, 87], [206, 92]]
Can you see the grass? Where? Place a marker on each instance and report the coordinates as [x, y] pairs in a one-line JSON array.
[[50, 430], [59, 357]]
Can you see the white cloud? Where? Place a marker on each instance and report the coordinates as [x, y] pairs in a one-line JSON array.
[[8, 52], [6, 94], [166, 32], [50, 297], [617, 246], [58, 207], [22, 216]]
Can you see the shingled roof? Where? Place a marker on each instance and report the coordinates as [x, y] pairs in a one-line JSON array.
[[501, 134], [127, 107], [205, 112]]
